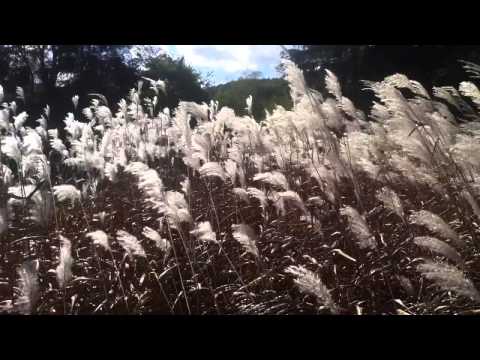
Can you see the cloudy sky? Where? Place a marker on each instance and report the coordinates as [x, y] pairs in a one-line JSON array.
[[228, 62]]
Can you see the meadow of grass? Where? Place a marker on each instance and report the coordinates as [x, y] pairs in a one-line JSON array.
[[322, 209]]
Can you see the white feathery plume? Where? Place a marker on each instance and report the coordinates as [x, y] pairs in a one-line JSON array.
[[258, 194], [316, 200], [73, 127], [41, 131], [111, 172], [325, 178], [471, 68], [391, 201], [453, 97], [231, 170], [198, 111], [42, 122], [241, 176], [249, 101], [41, 210], [32, 142], [130, 244], [3, 220], [438, 246], [334, 117], [88, 113], [103, 114], [20, 93], [41, 206], [28, 287], [53, 133], [156, 85], [246, 236], [58, 145], [472, 202], [310, 283], [64, 268], [465, 152], [437, 225], [280, 198], [241, 193], [402, 81], [4, 116], [175, 208], [201, 145], [449, 278], [6, 175], [75, 101], [203, 232], [152, 186], [470, 90], [359, 227], [136, 168], [296, 81], [13, 107], [67, 193], [213, 169], [332, 85], [186, 186], [415, 174], [46, 111], [348, 108], [258, 160], [100, 238], [153, 235], [274, 178], [35, 166], [11, 148], [20, 120], [1, 93]]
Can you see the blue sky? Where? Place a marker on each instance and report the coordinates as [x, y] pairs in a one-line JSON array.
[[228, 62]]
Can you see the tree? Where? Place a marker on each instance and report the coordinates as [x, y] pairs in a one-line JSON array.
[[52, 74], [182, 81], [432, 65]]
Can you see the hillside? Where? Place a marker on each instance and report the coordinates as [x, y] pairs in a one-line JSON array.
[[266, 94]]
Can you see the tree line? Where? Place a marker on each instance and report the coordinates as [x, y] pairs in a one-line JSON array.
[[53, 74]]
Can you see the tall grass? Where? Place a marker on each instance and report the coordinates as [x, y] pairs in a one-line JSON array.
[[319, 209]]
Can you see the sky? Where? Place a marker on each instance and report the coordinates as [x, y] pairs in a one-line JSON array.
[[228, 62]]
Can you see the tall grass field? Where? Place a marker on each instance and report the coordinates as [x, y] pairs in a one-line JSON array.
[[321, 209]]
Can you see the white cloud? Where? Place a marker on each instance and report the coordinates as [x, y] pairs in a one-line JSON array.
[[229, 58]]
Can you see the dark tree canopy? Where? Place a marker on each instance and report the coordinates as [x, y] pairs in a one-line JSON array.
[[431, 65], [182, 81], [52, 74]]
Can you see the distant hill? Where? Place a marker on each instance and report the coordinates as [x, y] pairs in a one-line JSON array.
[[266, 94]]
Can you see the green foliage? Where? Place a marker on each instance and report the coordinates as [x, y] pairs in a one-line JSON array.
[[182, 81], [266, 93], [90, 68]]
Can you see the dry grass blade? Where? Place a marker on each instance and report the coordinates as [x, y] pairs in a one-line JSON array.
[[308, 282], [130, 244], [359, 227], [391, 201], [437, 225], [449, 278], [439, 247], [246, 236], [28, 287]]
